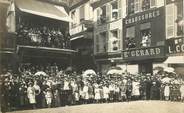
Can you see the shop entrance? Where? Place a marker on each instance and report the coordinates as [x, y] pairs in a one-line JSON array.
[[146, 68]]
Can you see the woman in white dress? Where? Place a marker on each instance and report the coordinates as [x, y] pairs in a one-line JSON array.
[[97, 93], [31, 94], [49, 97], [135, 89], [106, 93], [86, 93], [167, 92]]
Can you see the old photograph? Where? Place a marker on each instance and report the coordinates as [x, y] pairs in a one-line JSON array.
[[91, 56]]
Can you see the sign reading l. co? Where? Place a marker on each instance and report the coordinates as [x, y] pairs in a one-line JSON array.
[[144, 53], [175, 45]]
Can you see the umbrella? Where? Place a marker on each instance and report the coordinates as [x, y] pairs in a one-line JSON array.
[[166, 80], [40, 73], [69, 69], [169, 69], [114, 71], [89, 72], [176, 82], [158, 68]]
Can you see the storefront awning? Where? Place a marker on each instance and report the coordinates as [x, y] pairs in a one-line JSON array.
[[33, 51], [43, 9], [175, 60], [77, 37]]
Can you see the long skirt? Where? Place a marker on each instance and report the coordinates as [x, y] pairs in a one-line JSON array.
[[32, 99], [97, 96]]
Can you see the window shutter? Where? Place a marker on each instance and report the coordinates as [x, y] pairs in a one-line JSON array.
[[98, 15], [119, 39], [82, 13], [170, 21], [108, 12], [96, 42], [153, 3], [119, 9]]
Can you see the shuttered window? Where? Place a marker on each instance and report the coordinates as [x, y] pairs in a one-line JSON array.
[[170, 20], [97, 43], [153, 3], [130, 32], [103, 38], [114, 9], [130, 6], [137, 6], [82, 13]]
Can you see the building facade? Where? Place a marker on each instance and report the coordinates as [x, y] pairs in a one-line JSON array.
[[108, 30], [144, 34], [175, 35], [36, 32], [81, 31], [7, 39]]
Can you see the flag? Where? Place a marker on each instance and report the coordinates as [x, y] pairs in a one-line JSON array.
[[10, 19]]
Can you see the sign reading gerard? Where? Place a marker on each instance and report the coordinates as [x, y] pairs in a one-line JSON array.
[[143, 53]]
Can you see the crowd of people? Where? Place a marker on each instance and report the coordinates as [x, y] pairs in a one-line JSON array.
[[42, 36], [41, 87]]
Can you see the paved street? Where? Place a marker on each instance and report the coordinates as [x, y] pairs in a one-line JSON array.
[[124, 107]]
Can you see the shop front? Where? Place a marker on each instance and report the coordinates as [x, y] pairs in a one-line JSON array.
[[144, 57], [175, 52], [144, 39]]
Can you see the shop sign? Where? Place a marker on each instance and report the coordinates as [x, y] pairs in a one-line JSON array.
[[175, 45], [143, 16], [143, 53]]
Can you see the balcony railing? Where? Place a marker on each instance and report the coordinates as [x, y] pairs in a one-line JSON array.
[[42, 37]]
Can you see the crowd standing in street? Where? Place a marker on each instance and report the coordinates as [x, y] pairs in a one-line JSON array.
[[41, 87]]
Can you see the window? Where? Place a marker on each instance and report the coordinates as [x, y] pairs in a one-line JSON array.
[[146, 35], [102, 41], [146, 38], [145, 5], [82, 13], [153, 3], [130, 6], [170, 20], [97, 43], [137, 5], [114, 41], [103, 14], [179, 19], [130, 38], [114, 6], [73, 16]]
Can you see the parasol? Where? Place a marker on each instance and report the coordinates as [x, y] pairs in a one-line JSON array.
[[114, 71], [166, 80], [40, 73], [89, 72], [169, 69]]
